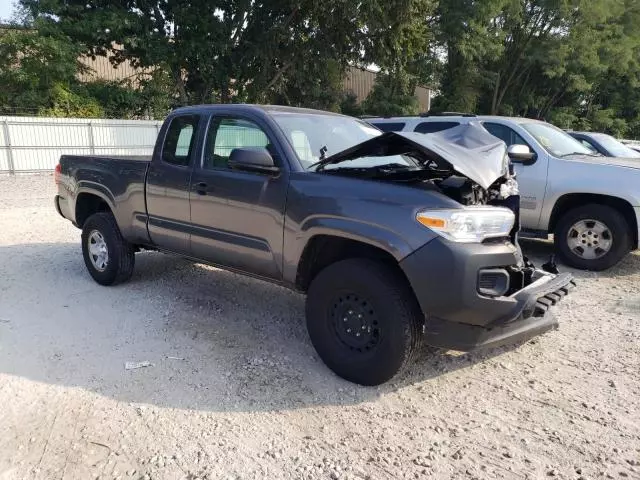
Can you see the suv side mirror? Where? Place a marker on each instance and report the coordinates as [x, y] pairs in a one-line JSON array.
[[252, 159], [521, 154]]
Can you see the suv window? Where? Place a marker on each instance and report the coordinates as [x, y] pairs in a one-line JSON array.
[[226, 134], [389, 126], [507, 134], [433, 127], [179, 140]]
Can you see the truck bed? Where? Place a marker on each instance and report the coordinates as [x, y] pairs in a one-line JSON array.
[[118, 180], [135, 158]]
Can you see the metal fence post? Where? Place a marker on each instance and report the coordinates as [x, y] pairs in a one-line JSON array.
[[92, 142], [5, 126]]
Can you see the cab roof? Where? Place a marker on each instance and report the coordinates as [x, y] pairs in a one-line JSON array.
[[247, 107]]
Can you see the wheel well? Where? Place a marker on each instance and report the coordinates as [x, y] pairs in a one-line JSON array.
[[86, 205], [569, 201], [323, 250]]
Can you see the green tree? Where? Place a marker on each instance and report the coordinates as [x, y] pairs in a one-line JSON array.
[[148, 96], [468, 34], [531, 57], [391, 95], [400, 43], [39, 73], [35, 71], [231, 50], [349, 105], [312, 85]]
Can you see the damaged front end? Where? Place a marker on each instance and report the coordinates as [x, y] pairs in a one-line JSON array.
[[483, 283]]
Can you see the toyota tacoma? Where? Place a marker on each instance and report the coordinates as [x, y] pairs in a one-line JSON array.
[[397, 239]]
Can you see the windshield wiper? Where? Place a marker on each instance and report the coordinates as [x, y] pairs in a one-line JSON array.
[[323, 156], [314, 165]]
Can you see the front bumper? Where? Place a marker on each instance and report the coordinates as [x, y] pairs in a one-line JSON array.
[[444, 277]]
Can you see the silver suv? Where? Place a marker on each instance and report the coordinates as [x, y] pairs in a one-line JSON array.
[[590, 203]]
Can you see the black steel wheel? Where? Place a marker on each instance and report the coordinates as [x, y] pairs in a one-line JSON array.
[[355, 322], [363, 320]]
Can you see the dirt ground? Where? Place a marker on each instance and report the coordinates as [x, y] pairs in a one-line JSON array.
[[237, 391]]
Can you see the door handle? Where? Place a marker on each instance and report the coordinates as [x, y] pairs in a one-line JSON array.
[[201, 188]]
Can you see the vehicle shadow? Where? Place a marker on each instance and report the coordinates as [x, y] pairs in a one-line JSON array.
[[217, 341], [539, 252]]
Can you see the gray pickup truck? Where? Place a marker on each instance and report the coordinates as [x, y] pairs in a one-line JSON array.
[[397, 239]]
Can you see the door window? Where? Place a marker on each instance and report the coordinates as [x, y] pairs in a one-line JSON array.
[[226, 134], [179, 140], [507, 134]]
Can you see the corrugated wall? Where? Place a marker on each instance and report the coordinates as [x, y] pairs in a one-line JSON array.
[[102, 69], [34, 143], [358, 81], [361, 82]]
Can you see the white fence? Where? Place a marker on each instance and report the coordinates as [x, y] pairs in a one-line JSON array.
[[31, 144]]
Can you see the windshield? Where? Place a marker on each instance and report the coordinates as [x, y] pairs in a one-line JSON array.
[[555, 141], [316, 136], [614, 147]]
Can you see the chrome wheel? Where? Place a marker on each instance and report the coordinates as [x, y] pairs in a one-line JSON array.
[[589, 239], [98, 252]]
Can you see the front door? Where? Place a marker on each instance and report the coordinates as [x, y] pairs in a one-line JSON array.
[[532, 179], [168, 183], [238, 217]]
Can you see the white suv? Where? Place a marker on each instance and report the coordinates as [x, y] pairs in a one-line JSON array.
[[590, 203]]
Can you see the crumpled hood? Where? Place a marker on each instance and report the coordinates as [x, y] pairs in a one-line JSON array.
[[468, 149]]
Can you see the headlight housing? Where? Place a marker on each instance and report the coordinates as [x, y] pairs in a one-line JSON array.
[[471, 224]]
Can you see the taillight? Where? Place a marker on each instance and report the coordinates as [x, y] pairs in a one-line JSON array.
[[57, 173]]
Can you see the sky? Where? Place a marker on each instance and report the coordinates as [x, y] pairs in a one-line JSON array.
[[6, 9]]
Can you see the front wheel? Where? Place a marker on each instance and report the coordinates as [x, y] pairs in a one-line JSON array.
[[108, 257], [363, 320], [592, 237]]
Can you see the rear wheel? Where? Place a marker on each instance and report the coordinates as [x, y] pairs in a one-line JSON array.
[[363, 320], [109, 257], [592, 237]]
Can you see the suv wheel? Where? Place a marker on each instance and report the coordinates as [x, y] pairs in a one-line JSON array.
[[363, 320], [108, 257], [592, 237]]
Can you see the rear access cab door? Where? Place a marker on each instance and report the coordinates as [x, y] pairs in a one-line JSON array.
[[169, 179], [237, 216]]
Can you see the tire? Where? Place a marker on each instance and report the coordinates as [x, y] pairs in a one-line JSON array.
[[120, 258], [571, 227], [376, 299]]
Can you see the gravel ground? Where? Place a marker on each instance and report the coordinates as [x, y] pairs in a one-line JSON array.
[[237, 391]]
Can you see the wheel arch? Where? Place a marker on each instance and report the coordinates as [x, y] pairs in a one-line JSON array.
[[88, 203], [572, 200], [323, 250]]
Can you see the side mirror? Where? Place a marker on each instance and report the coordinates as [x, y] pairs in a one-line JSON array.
[[252, 159], [521, 154]]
